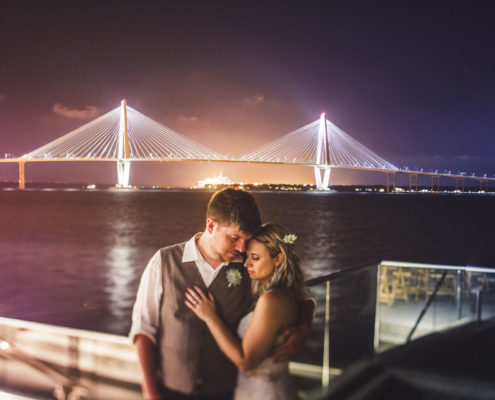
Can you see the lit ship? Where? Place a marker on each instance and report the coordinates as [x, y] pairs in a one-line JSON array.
[[217, 180]]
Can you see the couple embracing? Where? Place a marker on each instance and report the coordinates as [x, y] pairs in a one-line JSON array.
[[208, 324]]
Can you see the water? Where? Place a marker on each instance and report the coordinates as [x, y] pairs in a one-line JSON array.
[[74, 258]]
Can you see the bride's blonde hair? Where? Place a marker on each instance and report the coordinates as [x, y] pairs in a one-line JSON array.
[[288, 273]]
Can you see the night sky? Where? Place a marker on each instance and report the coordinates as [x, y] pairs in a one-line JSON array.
[[412, 80]]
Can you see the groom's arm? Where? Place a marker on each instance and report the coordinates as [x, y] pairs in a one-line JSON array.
[[296, 335], [147, 352], [145, 322]]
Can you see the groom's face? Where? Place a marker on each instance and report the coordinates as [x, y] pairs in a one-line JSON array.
[[228, 241]]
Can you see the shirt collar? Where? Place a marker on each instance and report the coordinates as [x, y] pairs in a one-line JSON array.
[[191, 252]]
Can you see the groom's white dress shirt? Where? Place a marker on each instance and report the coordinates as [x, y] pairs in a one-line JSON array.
[[145, 314]]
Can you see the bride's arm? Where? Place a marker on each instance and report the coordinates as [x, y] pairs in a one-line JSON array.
[[266, 323]]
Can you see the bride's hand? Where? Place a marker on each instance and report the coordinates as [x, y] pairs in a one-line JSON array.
[[203, 306]]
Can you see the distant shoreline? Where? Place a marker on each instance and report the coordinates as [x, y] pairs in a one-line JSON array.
[[280, 187]]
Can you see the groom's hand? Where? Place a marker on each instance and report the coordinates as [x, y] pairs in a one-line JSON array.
[[153, 396], [294, 336]]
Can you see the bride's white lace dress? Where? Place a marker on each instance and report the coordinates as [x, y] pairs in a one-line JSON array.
[[268, 381]]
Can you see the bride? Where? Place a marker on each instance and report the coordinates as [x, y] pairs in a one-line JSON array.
[[278, 287]]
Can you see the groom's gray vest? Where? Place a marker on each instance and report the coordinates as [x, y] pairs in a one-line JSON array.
[[191, 360]]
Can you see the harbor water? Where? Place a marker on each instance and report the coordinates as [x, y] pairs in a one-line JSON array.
[[75, 257]]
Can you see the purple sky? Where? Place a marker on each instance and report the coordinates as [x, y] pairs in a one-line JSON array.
[[412, 80]]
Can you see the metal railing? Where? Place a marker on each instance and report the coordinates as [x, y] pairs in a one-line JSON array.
[[67, 363], [475, 280]]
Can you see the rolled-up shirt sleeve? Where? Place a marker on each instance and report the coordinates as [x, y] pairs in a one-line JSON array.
[[146, 311]]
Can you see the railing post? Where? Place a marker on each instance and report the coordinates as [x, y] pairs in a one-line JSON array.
[[459, 294], [376, 333], [478, 294], [325, 376]]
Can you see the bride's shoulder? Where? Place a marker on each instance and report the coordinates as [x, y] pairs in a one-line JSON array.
[[277, 306], [281, 298]]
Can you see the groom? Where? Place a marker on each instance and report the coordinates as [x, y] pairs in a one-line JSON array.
[[168, 336]]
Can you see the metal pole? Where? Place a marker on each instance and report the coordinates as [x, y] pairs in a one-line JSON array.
[[376, 333], [427, 305], [459, 294], [325, 377], [479, 296]]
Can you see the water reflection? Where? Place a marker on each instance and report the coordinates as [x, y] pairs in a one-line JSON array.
[[318, 251], [120, 272]]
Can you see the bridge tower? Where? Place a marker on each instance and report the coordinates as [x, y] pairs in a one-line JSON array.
[[22, 177], [322, 167], [124, 153]]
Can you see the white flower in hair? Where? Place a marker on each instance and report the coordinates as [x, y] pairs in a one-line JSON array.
[[290, 238], [234, 277]]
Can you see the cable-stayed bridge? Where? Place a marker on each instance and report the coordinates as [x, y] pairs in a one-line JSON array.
[[124, 135], [323, 146], [121, 135]]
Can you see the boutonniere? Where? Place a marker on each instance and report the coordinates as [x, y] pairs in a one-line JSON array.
[[234, 277]]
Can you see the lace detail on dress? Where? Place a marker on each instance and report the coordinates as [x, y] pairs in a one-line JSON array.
[[269, 380]]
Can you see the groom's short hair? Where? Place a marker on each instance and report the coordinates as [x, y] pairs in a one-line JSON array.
[[231, 207]]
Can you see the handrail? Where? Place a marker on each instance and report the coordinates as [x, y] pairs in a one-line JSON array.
[[341, 272], [405, 264]]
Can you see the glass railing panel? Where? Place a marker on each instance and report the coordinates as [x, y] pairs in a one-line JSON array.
[[414, 300], [352, 317], [306, 368], [347, 334], [482, 289]]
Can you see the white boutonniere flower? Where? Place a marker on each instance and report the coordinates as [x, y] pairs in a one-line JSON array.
[[234, 277], [290, 238]]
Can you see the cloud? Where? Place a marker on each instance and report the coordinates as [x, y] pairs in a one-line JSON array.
[[189, 120], [2, 97], [468, 157], [253, 101], [86, 113]]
